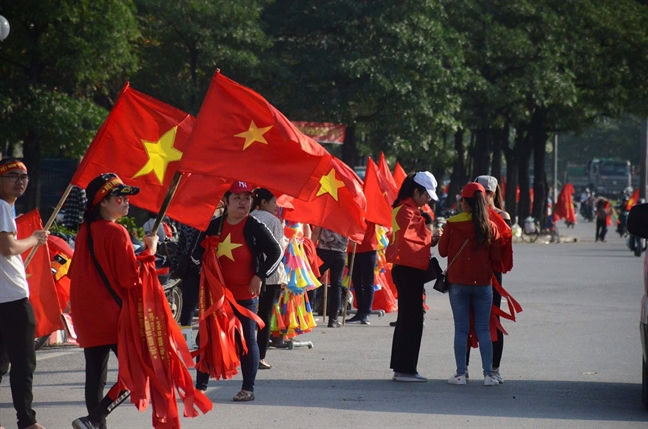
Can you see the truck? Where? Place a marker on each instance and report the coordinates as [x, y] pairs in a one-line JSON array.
[[603, 176]]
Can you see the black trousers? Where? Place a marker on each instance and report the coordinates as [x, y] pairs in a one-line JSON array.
[[601, 229], [335, 262], [17, 325], [266, 304], [96, 360], [190, 286], [363, 281], [409, 325]]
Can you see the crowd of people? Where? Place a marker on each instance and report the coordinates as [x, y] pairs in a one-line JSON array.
[[247, 239]]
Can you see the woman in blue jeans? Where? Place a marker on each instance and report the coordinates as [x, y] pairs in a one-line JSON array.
[[471, 243]]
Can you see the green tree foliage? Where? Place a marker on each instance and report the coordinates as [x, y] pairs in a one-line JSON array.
[[61, 59], [387, 70], [185, 42]]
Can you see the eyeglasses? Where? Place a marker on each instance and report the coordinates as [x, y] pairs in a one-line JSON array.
[[15, 177]]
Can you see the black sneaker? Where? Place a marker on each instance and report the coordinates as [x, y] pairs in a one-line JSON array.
[[83, 423], [354, 319], [334, 324]]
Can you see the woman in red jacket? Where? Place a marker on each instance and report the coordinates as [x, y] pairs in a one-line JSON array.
[[471, 243], [409, 251], [104, 267]]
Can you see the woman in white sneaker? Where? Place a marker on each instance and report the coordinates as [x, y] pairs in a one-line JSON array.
[[409, 251], [471, 243]]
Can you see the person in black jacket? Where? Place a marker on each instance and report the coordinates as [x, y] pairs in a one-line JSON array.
[[248, 253]]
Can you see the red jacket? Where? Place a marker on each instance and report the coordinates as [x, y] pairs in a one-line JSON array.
[[474, 264], [410, 241], [94, 311]]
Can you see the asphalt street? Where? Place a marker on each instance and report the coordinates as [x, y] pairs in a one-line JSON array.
[[572, 360]]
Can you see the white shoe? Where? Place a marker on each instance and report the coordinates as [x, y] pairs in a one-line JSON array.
[[497, 376], [457, 379], [489, 380], [412, 378]]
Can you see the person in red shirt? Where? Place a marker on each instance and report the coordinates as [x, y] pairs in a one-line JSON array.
[[248, 254], [104, 267], [471, 243], [409, 251]]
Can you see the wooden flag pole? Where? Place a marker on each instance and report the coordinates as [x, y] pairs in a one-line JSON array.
[[51, 220], [325, 299], [173, 187], [348, 289]]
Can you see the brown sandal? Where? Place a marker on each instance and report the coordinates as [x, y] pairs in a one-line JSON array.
[[243, 396]]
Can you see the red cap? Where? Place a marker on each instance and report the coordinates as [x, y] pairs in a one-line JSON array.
[[470, 189], [239, 187]]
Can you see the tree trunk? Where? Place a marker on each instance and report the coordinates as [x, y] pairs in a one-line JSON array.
[[350, 154], [500, 138], [540, 186], [524, 149], [32, 160], [482, 152], [458, 175]]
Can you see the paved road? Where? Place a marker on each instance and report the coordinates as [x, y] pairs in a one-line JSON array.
[[571, 361]]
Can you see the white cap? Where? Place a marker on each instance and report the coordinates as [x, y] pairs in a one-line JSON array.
[[427, 180], [488, 182]]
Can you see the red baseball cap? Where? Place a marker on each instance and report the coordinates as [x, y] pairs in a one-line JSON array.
[[239, 187], [470, 189]]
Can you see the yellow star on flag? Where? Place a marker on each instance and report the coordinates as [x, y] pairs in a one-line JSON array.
[[160, 154], [329, 184], [226, 246], [395, 226], [253, 134]]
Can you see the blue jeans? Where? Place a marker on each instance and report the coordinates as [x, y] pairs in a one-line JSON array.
[[479, 299], [249, 360]]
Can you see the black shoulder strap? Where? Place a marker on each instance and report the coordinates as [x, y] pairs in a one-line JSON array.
[[116, 297]]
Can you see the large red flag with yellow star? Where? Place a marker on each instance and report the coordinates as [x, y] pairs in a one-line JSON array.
[[240, 136], [142, 141], [337, 204]]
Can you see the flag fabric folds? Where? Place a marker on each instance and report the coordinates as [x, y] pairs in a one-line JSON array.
[[565, 205], [142, 141], [337, 204], [390, 189], [240, 136], [42, 291], [399, 174], [378, 209]]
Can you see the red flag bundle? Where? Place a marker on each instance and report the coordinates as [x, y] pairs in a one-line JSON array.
[[142, 141], [338, 204], [42, 291], [243, 137], [399, 174], [565, 205], [153, 355], [218, 325]]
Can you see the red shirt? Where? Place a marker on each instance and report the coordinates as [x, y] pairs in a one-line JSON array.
[[369, 242], [236, 259], [410, 241], [94, 311]]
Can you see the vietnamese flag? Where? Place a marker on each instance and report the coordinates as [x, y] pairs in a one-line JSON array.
[[634, 199], [240, 136], [399, 174], [378, 210], [42, 291], [142, 141], [389, 186], [337, 204]]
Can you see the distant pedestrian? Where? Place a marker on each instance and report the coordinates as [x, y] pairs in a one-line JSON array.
[[603, 214]]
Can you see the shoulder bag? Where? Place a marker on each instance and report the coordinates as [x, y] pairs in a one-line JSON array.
[[442, 284]]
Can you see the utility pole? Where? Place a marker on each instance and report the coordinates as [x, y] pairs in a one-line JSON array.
[[643, 171]]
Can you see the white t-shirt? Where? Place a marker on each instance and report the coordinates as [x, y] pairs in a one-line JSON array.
[[13, 281]]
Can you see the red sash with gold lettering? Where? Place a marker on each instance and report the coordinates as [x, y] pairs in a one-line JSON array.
[[153, 355], [218, 326]]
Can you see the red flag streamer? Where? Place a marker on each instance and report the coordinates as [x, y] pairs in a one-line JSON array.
[[153, 355], [218, 325]]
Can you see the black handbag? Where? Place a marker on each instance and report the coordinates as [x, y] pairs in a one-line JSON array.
[[433, 270], [442, 283]]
